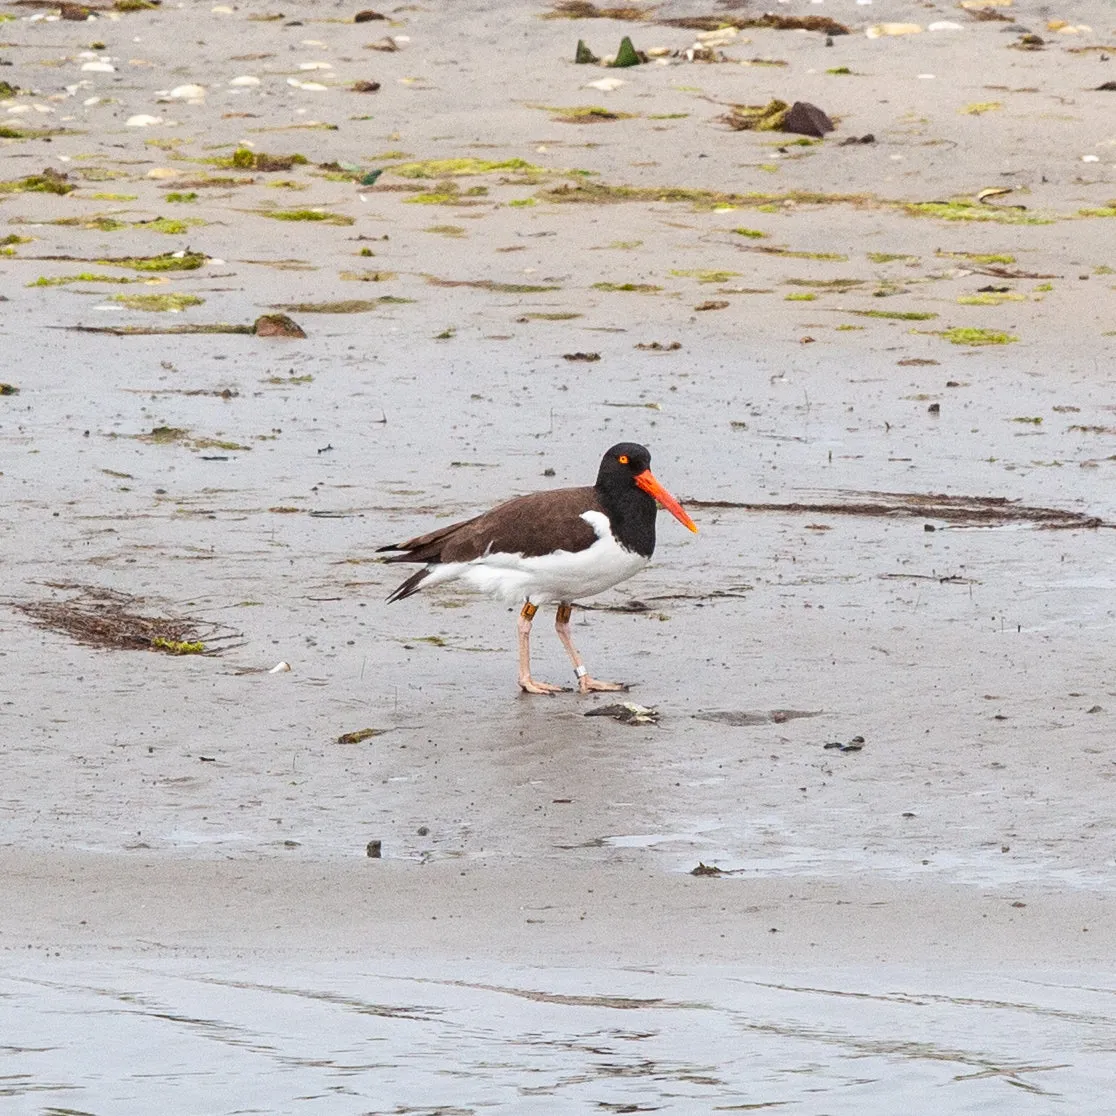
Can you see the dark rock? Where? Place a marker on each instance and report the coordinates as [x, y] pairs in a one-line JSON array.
[[805, 119]]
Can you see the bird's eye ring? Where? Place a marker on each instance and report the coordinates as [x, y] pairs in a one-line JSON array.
[[623, 459]]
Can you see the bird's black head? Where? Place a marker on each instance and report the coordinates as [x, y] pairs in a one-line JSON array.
[[621, 464], [629, 492]]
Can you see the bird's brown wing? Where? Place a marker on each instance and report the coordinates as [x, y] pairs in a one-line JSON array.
[[529, 525]]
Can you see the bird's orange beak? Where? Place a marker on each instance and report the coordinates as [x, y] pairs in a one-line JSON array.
[[646, 481]]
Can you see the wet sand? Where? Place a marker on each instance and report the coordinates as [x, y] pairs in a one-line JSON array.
[[158, 810]]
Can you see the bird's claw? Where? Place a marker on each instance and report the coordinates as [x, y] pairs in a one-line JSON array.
[[530, 686], [588, 685]]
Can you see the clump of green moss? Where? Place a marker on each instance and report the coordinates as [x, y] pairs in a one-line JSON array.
[[49, 182], [158, 302], [179, 198], [639, 288], [169, 225], [964, 210], [81, 277], [306, 215], [897, 315], [587, 114], [991, 298], [161, 643], [165, 435], [705, 276], [787, 253], [597, 193], [962, 335], [977, 257], [244, 158], [8, 243], [456, 168], [98, 221], [168, 261], [828, 284], [757, 118]]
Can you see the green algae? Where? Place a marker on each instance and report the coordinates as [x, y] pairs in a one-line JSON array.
[[49, 182], [586, 114], [962, 335], [168, 261], [977, 257], [244, 158], [306, 215], [460, 168], [896, 315], [838, 285], [103, 223], [789, 254], [177, 646], [964, 210], [705, 276], [81, 277], [991, 298], [158, 302]]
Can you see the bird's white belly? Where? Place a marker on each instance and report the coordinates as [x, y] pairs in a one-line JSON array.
[[560, 576]]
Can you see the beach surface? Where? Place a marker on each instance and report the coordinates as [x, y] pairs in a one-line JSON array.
[[877, 370]]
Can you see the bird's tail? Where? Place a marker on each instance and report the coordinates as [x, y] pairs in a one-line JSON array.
[[412, 585]]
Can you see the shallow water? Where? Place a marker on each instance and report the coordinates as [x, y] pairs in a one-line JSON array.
[[131, 1038]]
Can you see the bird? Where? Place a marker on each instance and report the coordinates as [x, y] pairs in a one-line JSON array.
[[549, 547]]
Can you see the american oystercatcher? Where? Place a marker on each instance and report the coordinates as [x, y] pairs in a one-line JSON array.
[[556, 546]]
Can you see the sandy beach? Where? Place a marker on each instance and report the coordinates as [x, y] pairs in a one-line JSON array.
[[876, 368]]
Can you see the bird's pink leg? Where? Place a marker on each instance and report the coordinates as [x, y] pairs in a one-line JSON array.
[[526, 683], [585, 683]]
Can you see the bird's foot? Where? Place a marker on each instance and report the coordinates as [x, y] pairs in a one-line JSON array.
[[529, 686], [586, 685]]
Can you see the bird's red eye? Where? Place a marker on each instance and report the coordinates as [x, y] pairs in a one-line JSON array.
[[623, 459]]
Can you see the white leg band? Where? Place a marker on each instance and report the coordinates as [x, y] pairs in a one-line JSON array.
[[580, 672]]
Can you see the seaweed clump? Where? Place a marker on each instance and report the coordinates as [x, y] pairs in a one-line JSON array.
[[110, 620]]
